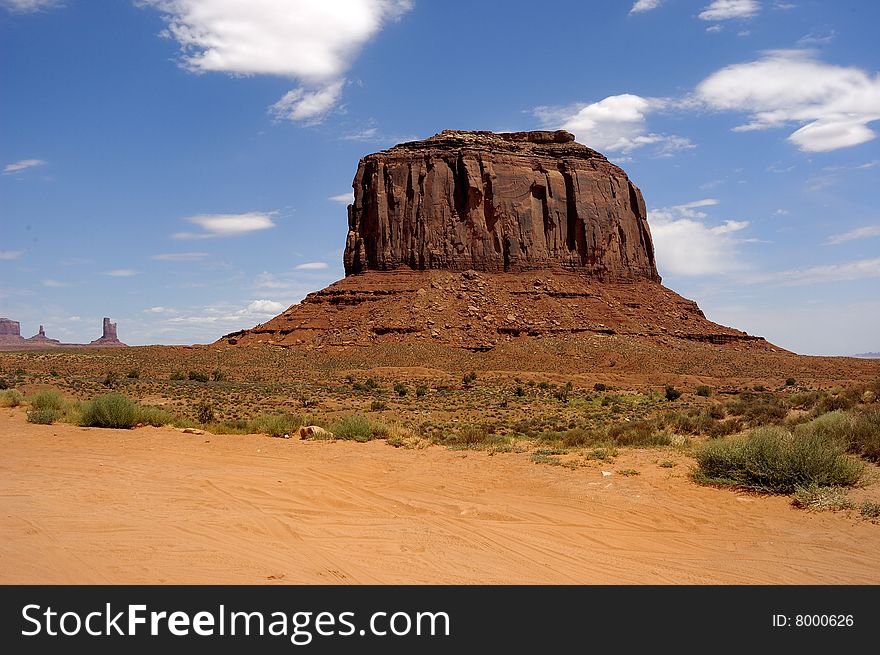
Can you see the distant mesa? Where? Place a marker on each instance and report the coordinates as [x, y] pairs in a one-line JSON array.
[[11, 339], [477, 239], [867, 355]]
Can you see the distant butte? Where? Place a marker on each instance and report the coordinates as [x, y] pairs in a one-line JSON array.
[[11, 339], [472, 239]]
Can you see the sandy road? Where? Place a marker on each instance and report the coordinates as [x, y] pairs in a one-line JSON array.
[[154, 505]]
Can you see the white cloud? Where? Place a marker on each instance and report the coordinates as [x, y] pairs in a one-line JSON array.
[[313, 41], [159, 310], [311, 266], [180, 256], [345, 198], [686, 246], [614, 124], [302, 105], [266, 307], [367, 134], [29, 6], [227, 225], [121, 272], [9, 255], [728, 9], [644, 5], [22, 165], [844, 272], [714, 28], [859, 233], [54, 284], [834, 104]]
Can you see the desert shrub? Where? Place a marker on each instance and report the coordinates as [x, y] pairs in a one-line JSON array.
[[155, 416], [773, 460], [10, 398], [599, 387], [355, 428], [759, 387], [401, 389], [197, 376], [671, 393], [820, 498], [869, 510], [716, 411], [859, 431], [218, 375], [472, 435], [111, 379], [421, 390], [805, 399], [519, 392], [469, 379], [133, 374], [46, 416], [638, 433], [790, 382], [112, 410], [580, 436], [3, 384], [562, 394], [758, 410], [378, 406], [178, 375], [834, 402], [704, 391], [370, 384], [47, 400], [544, 385], [204, 412], [276, 425]]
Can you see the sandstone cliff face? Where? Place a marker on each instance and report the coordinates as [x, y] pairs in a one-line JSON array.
[[498, 203]]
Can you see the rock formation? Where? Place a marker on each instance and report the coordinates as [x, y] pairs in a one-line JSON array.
[[108, 336], [475, 239], [498, 202], [40, 338], [10, 331]]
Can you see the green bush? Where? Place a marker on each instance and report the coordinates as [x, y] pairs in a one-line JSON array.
[[421, 390], [378, 406], [178, 375], [469, 378], [858, 431], [133, 374], [218, 375], [197, 376], [773, 460], [46, 416], [790, 382], [599, 387], [704, 390], [472, 435], [10, 398], [47, 400], [355, 428], [155, 416], [205, 412], [400, 388], [276, 425], [671, 393], [638, 433], [112, 410]]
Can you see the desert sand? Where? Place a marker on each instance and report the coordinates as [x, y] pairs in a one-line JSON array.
[[85, 505]]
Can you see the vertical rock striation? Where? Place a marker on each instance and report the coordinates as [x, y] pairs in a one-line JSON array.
[[498, 203]]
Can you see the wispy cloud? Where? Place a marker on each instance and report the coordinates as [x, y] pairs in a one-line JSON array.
[[859, 233], [644, 5], [9, 255], [29, 6], [729, 9], [344, 198], [311, 41], [227, 225], [311, 266], [842, 272], [121, 272], [180, 256], [833, 104], [54, 284], [22, 165], [160, 310]]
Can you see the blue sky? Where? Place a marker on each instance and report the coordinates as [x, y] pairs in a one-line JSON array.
[[183, 166]]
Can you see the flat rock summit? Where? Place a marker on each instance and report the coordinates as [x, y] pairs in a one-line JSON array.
[[472, 239]]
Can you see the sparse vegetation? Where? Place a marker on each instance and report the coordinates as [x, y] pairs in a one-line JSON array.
[[357, 428], [773, 460], [112, 410], [671, 393], [45, 416], [10, 398], [197, 376], [704, 391]]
